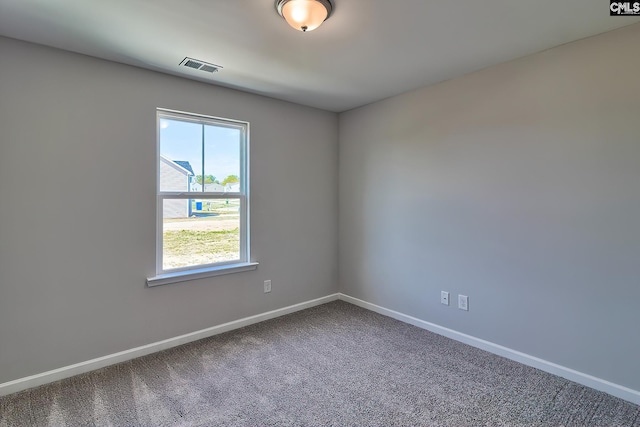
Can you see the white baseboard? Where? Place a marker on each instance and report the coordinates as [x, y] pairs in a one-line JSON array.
[[111, 359], [617, 390]]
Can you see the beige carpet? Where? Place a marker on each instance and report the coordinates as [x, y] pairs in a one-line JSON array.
[[331, 365]]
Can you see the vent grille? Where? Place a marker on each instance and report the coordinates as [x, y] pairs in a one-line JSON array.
[[196, 64], [209, 68], [193, 64]]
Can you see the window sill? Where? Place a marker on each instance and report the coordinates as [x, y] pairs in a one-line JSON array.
[[183, 276]]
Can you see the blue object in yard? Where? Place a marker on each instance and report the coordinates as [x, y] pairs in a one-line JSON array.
[[198, 206]]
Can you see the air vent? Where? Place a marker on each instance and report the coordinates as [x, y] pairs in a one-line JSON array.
[[196, 64], [193, 64], [209, 68]]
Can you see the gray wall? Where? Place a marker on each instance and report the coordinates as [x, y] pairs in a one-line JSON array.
[[74, 258], [518, 186]]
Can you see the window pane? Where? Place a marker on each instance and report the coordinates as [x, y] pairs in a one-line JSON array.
[[180, 155], [200, 231], [222, 157]]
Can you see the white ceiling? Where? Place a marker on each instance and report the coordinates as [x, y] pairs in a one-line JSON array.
[[368, 50]]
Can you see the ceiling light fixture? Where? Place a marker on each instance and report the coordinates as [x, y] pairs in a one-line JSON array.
[[304, 15]]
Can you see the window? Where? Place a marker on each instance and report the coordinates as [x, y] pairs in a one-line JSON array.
[[202, 197]]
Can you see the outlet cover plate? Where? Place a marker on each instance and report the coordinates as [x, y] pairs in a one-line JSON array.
[[267, 286], [444, 297], [463, 302]]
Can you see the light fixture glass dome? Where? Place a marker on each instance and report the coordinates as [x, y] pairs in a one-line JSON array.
[[304, 15]]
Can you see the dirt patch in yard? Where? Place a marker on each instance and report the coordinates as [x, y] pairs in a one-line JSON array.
[[218, 223]]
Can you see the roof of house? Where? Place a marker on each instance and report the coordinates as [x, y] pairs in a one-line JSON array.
[[181, 165], [185, 164]]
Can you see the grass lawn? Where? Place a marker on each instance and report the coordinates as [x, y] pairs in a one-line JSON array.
[[194, 241]]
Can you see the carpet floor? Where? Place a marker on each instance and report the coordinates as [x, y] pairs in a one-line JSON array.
[[331, 365]]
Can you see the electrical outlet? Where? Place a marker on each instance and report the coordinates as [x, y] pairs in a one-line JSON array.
[[463, 302], [267, 286], [444, 297]]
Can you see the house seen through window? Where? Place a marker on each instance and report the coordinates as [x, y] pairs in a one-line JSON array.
[[202, 192]]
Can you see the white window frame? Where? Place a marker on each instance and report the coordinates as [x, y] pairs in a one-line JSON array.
[[166, 276]]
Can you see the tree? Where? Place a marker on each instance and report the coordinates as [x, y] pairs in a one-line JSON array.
[[231, 179], [208, 179]]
